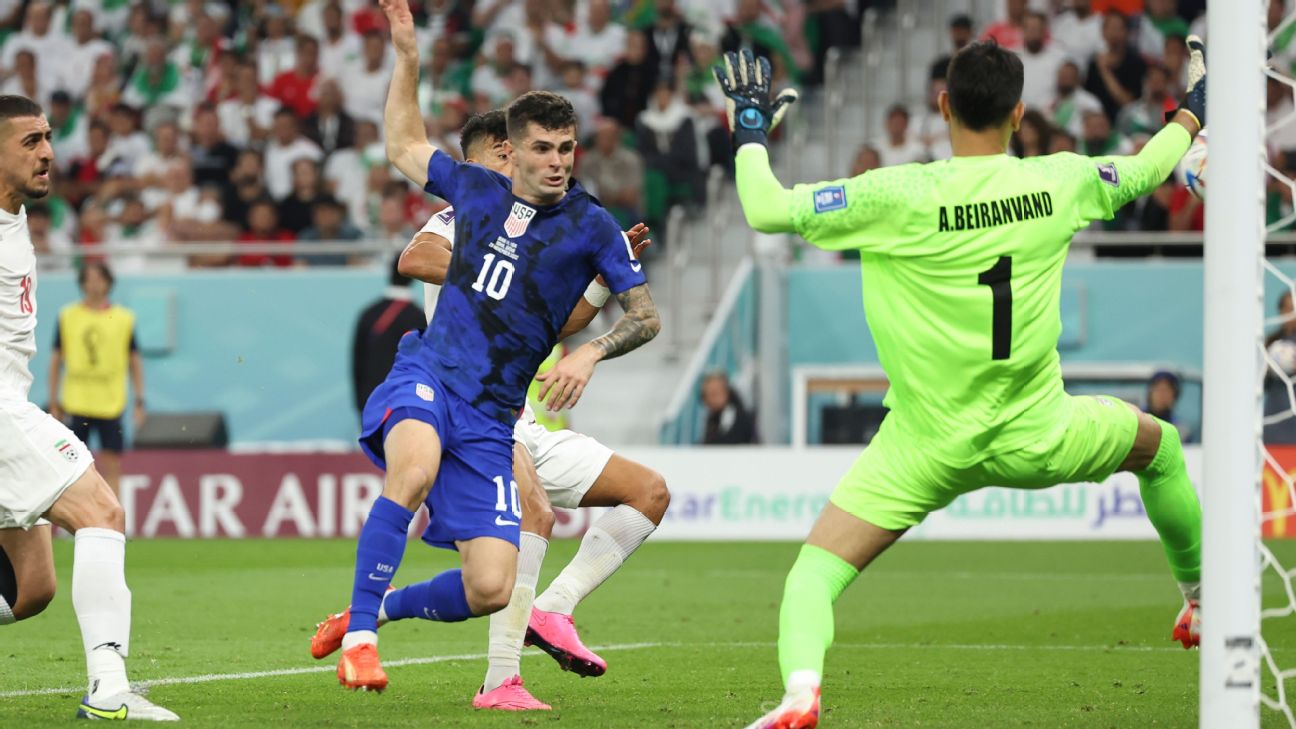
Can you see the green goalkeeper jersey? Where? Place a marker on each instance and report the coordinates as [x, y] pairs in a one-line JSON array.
[[962, 270]]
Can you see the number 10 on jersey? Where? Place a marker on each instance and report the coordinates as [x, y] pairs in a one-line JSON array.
[[495, 277]]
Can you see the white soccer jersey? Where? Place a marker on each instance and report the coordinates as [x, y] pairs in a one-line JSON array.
[[441, 223], [17, 306]]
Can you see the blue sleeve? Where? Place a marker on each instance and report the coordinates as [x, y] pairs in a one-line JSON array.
[[613, 257], [443, 176]]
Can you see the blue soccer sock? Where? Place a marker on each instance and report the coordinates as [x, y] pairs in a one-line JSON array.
[[378, 554], [441, 598]]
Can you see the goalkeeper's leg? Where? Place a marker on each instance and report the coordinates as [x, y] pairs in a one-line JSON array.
[[1172, 507]]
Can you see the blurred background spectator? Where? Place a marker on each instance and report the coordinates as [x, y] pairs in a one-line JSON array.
[[728, 422], [377, 333]]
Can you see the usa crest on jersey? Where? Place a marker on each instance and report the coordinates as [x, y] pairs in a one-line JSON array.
[[518, 220]]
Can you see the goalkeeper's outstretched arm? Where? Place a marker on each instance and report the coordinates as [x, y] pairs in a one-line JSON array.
[[766, 204]]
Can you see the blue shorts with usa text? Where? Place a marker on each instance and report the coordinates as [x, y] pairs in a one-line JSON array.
[[474, 494]]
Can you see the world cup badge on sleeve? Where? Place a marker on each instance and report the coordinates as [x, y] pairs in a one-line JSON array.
[[518, 220]]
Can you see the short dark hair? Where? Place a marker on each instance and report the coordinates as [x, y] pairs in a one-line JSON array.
[[99, 266], [962, 21], [984, 84], [13, 106], [481, 127], [546, 109]]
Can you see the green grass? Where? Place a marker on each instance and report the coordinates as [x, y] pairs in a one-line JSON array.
[[934, 635]]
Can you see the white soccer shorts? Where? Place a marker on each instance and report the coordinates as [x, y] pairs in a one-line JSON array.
[[39, 459], [567, 462]]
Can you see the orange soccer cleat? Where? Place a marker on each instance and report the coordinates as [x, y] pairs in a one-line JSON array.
[[797, 711], [359, 669], [329, 633], [1187, 629]]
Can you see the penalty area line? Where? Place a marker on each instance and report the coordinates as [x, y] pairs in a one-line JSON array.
[[326, 668]]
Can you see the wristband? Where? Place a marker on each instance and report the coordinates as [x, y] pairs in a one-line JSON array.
[[597, 294]]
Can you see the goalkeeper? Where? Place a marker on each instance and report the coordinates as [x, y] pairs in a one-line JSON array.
[[962, 270]]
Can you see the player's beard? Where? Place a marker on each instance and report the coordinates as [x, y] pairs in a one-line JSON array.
[[34, 189]]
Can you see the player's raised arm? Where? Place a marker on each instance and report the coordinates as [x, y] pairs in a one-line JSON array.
[[407, 142], [1120, 180], [745, 81], [426, 258]]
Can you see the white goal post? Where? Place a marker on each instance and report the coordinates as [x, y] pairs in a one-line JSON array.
[[1231, 641]]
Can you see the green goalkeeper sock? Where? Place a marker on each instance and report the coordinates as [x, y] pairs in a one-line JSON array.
[[1172, 506], [806, 618]]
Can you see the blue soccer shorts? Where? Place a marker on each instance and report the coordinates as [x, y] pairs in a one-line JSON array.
[[474, 494]]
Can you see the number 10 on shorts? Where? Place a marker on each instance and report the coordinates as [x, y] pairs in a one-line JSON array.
[[506, 495]]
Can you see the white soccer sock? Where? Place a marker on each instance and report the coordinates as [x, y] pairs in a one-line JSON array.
[[606, 545], [803, 680], [359, 637], [6, 615], [1191, 591], [508, 626], [103, 607]]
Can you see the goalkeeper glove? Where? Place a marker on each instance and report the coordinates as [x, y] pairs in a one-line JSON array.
[[1195, 100], [745, 81]]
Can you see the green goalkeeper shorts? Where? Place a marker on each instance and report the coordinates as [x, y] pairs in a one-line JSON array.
[[894, 485]]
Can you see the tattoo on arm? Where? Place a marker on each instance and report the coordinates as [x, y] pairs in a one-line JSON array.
[[635, 328]]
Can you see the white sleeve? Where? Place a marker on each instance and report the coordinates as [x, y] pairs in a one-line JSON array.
[[442, 224]]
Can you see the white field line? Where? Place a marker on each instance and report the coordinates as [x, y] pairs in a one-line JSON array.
[[327, 667]]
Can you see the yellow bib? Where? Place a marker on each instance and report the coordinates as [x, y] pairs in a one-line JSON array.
[[96, 359]]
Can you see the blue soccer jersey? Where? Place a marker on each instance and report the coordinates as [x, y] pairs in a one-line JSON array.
[[516, 272]]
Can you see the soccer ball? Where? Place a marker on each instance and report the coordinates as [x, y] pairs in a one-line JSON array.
[[1283, 353], [1191, 171]]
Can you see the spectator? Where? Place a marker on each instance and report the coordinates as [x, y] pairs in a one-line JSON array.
[[574, 88], [329, 125], [295, 210], [245, 185], [832, 26], [47, 46], [134, 237], [1009, 31], [899, 147], [296, 87], [84, 175], [105, 87], [276, 50], [328, 224], [92, 228], [366, 80], [197, 55], [82, 53], [1040, 62], [444, 79], [246, 118], [340, 46], [665, 138], [286, 145], [1163, 391], [1100, 140], [630, 82], [184, 211], [867, 158], [727, 420], [1280, 116], [1175, 59], [1145, 117], [615, 173], [599, 41], [747, 30], [1115, 76], [25, 81], [126, 144], [489, 81], [1062, 141], [393, 224], [960, 34], [1032, 139], [378, 331], [1071, 102], [1154, 214], [668, 39], [1186, 211], [46, 238], [150, 170], [263, 227], [347, 170], [930, 127], [94, 354], [156, 81], [1078, 31], [1281, 349], [1160, 20], [210, 155]]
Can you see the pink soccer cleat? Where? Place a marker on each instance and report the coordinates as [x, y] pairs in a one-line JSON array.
[[798, 711], [1187, 629], [555, 634], [509, 696]]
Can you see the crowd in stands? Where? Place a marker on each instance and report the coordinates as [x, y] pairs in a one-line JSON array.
[[177, 121], [1099, 76]]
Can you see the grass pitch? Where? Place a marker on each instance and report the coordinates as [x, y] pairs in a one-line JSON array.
[[933, 635]]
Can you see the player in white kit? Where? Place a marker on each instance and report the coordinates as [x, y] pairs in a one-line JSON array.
[[45, 471], [562, 468]]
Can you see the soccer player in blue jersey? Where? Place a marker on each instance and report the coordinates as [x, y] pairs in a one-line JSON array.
[[442, 423]]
